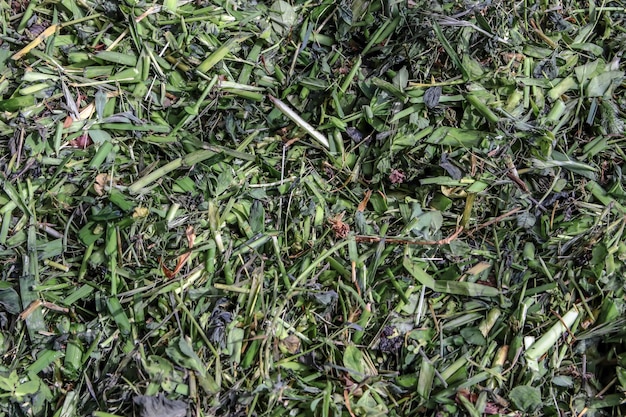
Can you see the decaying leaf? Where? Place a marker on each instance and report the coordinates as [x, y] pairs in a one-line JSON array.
[[159, 406]]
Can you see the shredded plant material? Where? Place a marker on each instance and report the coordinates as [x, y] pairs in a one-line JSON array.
[[268, 208]]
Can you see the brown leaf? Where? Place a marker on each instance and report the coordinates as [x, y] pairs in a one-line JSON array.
[[81, 142], [291, 343], [363, 203], [191, 238], [101, 181], [340, 228]]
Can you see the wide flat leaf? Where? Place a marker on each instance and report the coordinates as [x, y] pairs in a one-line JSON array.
[[354, 362], [10, 300], [284, 14], [525, 398], [159, 406], [449, 287], [452, 136], [600, 84]]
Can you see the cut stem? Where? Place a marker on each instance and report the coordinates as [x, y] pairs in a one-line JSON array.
[[295, 117]]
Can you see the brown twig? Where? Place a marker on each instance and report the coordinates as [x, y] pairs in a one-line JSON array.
[[541, 34], [496, 220], [399, 241], [363, 203], [346, 398]]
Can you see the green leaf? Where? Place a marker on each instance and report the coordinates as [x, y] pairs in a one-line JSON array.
[[8, 383], [224, 180], [234, 342], [452, 136], [378, 203], [588, 70], [90, 233], [600, 84], [473, 336], [119, 58], [621, 376], [257, 217], [450, 50], [158, 367], [588, 47], [220, 53], [353, 361], [401, 80], [598, 256], [469, 289], [428, 224], [16, 103], [407, 381], [120, 200], [441, 202], [283, 15], [449, 287], [609, 311], [561, 160], [525, 398], [183, 354], [99, 136], [100, 103], [425, 379], [27, 388], [185, 185], [526, 220], [565, 381], [10, 300], [472, 67], [418, 273]]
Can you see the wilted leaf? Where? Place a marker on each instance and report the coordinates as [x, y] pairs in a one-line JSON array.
[[159, 406], [450, 168], [546, 68], [354, 134], [526, 220], [291, 344], [431, 97], [9, 299]]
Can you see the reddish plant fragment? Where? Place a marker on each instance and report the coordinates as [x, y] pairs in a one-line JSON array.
[[396, 176], [339, 227], [490, 407], [363, 203], [81, 142], [191, 238]]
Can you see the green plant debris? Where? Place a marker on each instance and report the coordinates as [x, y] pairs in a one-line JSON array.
[[305, 208]]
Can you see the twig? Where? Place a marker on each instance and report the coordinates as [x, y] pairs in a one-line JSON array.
[[399, 241], [295, 117], [496, 220]]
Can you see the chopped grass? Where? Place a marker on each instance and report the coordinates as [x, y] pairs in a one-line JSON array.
[[365, 208]]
